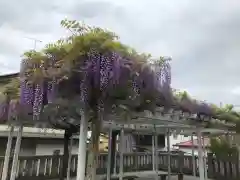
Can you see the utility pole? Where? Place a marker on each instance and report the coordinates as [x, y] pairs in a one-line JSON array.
[[220, 104], [35, 41]]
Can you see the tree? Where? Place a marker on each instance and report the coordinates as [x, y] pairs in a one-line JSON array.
[[92, 70], [221, 148], [106, 76]]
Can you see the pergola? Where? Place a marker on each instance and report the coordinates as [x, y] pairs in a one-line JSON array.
[[161, 123], [142, 123]]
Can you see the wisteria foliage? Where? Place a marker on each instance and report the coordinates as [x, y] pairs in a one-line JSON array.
[[94, 67], [98, 67]]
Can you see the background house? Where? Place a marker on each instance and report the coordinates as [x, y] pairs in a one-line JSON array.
[[187, 146], [37, 141]]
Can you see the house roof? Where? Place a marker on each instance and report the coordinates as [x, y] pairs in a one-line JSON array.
[[189, 144], [6, 78], [33, 132], [29, 132]]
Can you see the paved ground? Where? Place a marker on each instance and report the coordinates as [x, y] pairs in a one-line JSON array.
[[149, 175]]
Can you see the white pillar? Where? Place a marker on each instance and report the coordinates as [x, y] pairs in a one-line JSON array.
[[169, 154], [200, 155], [193, 157], [81, 165], [16, 153], [109, 154], [69, 159], [7, 153], [121, 154]]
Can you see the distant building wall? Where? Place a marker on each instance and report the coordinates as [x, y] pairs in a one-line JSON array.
[[49, 146], [189, 151], [28, 147], [177, 139]]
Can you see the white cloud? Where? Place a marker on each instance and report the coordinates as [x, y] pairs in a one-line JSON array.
[[201, 36], [236, 91]]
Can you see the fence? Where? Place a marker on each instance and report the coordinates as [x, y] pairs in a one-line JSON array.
[[49, 167], [222, 168]]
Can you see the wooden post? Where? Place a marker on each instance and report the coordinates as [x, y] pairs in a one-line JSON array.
[[7, 154], [153, 154], [109, 154], [16, 153], [70, 159], [237, 167], [210, 165], [204, 158], [65, 155], [193, 157], [181, 162], [156, 152], [121, 154], [113, 151], [200, 155], [168, 154]]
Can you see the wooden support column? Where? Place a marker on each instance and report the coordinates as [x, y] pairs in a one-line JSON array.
[[67, 136], [113, 149]]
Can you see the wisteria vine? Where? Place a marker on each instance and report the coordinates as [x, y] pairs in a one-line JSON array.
[[99, 73]]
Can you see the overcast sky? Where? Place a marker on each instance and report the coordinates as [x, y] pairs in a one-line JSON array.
[[202, 37]]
